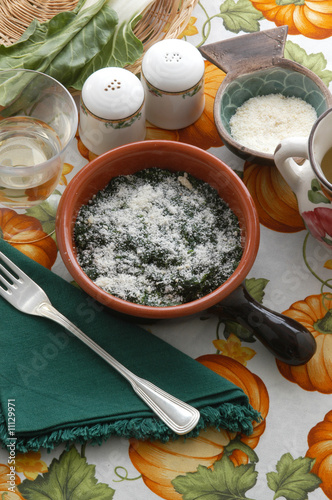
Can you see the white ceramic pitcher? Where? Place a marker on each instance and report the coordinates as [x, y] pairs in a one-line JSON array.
[[307, 180]]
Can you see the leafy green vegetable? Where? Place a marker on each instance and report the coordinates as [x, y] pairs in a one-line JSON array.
[[123, 47], [72, 45], [293, 479], [164, 273], [70, 477], [223, 481]]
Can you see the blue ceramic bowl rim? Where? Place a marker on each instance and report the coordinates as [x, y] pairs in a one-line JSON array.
[[233, 145]]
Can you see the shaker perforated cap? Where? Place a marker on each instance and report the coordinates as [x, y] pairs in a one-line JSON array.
[[173, 65], [112, 93]]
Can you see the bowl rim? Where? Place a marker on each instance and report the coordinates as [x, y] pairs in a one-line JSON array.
[[65, 224], [244, 151]]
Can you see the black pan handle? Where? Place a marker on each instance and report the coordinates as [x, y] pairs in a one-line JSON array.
[[287, 339]]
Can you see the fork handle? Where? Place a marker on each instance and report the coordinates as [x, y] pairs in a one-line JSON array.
[[176, 414]]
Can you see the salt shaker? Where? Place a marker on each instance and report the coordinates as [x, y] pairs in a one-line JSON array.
[[173, 80], [112, 110]]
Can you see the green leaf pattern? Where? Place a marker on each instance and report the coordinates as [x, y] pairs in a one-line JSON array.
[[69, 477], [256, 289], [315, 62], [225, 481], [293, 479], [240, 16], [315, 194], [55, 47]]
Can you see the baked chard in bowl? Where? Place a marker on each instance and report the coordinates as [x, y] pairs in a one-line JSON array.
[[158, 238], [86, 201]]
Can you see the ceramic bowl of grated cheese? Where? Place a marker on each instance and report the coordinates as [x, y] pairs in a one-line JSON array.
[[109, 219], [264, 97], [273, 104]]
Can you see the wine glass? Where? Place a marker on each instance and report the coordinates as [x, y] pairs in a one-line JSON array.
[[38, 120]]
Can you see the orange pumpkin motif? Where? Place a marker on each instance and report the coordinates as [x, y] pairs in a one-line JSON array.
[[26, 234], [275, 202], [320, 448], [251, 385], [310, 18], [43, 191], [155, 133], [159, 463], [6, 481], [315, 313], [83, 150], [203, 132]]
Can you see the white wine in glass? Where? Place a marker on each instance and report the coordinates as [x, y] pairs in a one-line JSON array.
[[38, 120], [25, 145]]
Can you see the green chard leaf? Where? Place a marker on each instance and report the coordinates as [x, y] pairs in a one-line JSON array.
[[122, 49], [42, 42], [293, 479], [74, 44], [69, 477], [223, 481], [315, 62], [240, 16], [69, 63]]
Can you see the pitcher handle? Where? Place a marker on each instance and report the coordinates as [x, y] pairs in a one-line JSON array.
[[286, 151]]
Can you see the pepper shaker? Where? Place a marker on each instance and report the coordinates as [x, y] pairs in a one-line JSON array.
[[112, 110], [173, 80]]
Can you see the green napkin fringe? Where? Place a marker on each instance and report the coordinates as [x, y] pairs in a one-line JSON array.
[[49, 415], [233, 417]]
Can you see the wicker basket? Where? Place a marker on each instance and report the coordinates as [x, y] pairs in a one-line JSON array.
[[163, 19]]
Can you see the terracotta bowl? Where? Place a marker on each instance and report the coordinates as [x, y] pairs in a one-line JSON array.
[[173, 156]]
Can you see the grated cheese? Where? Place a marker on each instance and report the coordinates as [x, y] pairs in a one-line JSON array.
[[263, 121], [158, 238]]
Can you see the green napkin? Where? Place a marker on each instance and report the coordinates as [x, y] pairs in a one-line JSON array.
[[62, 391]]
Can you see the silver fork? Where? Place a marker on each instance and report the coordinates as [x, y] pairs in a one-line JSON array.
[[24, 294]]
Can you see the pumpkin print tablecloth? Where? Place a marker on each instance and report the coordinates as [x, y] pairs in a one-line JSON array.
[[289, 454]]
